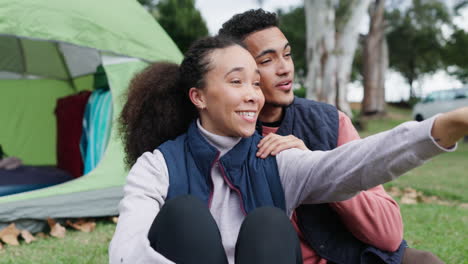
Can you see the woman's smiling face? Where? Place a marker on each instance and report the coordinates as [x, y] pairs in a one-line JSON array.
[[231, 100]]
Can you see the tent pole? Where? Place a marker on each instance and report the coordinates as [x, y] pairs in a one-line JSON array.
[[62, 58], [23, 57]]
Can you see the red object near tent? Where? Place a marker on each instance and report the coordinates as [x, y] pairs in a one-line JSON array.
[[69, 113]]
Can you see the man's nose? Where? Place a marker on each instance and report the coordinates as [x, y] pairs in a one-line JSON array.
[[284, 67]]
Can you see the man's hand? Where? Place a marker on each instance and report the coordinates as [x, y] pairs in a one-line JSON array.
[[273, 144]]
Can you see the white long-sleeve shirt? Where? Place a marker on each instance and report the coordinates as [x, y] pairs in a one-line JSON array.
[[306, 177]]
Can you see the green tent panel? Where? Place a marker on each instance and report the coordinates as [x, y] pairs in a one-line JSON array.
[[51, 47], [119, 26], [28, 120]]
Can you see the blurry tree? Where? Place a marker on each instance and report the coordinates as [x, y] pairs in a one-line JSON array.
[[332, 37], [375, 62], [147, 3], [455, 54], [292, 24], [415, 39], [181, 20]]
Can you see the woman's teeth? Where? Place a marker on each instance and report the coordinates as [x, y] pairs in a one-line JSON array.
[[247, 114]]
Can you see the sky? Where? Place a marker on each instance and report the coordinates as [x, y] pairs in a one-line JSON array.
[[216, 12]]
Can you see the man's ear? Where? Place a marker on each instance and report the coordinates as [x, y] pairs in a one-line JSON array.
[[197, 97]]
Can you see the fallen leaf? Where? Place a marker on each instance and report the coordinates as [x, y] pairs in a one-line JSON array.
[[27, 236], [41, 235], [9, 235], [82, 225], [394, 191], [408, 200], [56, 230]]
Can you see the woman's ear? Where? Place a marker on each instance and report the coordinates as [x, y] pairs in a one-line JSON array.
[[197, 97]]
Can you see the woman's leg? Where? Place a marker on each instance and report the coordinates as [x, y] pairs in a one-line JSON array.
[[267, 236], [185, 232]]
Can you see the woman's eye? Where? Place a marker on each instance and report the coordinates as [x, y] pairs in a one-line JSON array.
[[236, 81], [287, 54], [256, 84]]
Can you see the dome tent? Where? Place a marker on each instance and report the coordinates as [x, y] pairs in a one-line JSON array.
[[50, 49]]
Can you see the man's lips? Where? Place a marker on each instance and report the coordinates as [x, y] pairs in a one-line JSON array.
[[285, 85]]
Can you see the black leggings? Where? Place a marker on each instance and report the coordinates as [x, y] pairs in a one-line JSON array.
[[185, 232]]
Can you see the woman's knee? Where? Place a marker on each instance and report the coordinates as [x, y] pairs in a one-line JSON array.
[[185, 232], [265, 219], [181, 215], [267, 236]]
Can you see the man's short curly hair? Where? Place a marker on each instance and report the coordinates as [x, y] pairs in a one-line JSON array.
[[242, 25]]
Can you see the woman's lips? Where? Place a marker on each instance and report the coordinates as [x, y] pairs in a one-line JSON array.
[[249, 116]]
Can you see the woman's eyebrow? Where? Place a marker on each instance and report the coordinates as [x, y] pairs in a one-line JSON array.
[[233, 70]]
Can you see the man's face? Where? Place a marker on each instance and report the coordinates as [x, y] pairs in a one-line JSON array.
[[272, 53]]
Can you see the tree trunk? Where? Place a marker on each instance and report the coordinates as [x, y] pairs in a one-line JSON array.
[[330, 50], [375, 62], [346, 44], [320, 31]]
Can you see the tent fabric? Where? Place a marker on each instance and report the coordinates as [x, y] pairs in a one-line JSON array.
[[27, 120], [70, 112], [64, 61], [96, 128], [92, 195], [83, 23], [26, 178], [124, 47]]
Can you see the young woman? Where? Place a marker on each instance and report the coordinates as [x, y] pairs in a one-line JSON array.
[[204, 196]]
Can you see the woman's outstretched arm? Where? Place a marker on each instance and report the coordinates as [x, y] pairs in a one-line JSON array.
[[450, 127], [321, 177]]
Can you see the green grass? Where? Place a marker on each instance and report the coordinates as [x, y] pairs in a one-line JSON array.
[[75, 248], [437, 228]]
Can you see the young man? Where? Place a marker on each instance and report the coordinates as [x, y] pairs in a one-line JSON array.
[[365, 229]]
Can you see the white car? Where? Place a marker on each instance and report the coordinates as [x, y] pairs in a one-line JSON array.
[[440, 102]]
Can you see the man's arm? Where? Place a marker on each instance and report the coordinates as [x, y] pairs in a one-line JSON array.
[[372, 216]]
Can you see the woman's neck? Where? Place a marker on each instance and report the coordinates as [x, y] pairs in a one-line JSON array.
[[222, 143]]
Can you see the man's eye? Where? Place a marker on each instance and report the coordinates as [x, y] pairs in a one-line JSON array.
[[265, 61]]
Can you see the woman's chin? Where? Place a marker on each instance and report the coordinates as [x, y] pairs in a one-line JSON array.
[[247, 132]]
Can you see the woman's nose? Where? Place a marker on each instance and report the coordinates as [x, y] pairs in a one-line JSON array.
[[253, 94]]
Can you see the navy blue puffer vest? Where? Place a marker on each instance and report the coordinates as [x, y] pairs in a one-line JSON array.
[[190, 158]]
